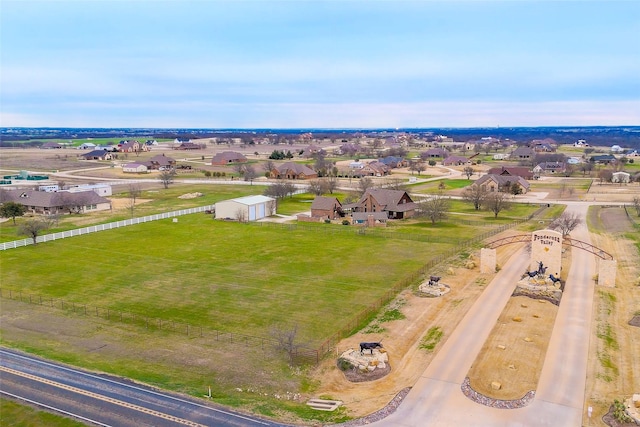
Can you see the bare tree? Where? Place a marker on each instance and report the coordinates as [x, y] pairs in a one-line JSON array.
[[475, 194], [249, 173], [364, 184], [241, 215], [417, 167], [469, 171], [497, 202], [636, 204], [566, 222], [33, 228], [269, 166], [73, 203], [134, 192], [280, 190], [393, 183], [331, 183], [434, 208], [166, 177], [286, 339], [316, 187]]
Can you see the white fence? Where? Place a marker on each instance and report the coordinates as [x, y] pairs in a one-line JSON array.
[[102, 227]]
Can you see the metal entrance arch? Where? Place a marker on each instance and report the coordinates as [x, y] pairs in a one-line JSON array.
[[526, 238]]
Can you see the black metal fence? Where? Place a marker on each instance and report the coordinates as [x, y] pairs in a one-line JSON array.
[[299, 355]]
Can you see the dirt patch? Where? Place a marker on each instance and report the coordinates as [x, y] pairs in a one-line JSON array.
[[615, 220], [120, 203], [514, 352]]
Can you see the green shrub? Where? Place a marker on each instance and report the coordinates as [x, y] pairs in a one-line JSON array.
[[344, 364], [327, 221], [345, 222], [620, 412]]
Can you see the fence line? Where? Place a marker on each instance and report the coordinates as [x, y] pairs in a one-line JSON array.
[[299, 355], [103, 227]]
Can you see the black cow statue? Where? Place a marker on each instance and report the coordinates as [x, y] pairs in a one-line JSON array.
[[554, 279], [369, 346]]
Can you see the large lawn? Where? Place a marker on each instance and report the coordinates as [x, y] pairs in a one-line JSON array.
[[220, 275]]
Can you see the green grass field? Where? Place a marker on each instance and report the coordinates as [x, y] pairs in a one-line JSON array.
[[19, 415], [220, 275]]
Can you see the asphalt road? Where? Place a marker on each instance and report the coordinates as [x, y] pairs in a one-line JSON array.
[[106, 401], [437, 399]]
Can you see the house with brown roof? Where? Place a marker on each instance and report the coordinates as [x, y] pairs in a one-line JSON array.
[[160, 161], [456, 161], [51, 146], [42, 202], [397, 204], [227, 157], [500, 183], [326, 207], [434, 153], [291, 170], [523, 154], [375, 168], [524, 172], [97, 155]]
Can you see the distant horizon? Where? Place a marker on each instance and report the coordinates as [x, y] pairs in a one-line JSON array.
[[280, 64]]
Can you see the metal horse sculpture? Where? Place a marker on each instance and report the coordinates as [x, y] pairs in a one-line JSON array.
[[539, 272], [433, 280], [369, 346]]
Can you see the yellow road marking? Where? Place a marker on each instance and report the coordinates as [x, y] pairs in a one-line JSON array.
[[103, 398]]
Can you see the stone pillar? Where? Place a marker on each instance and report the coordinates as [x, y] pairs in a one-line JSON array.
[[546, 247], [607, 272], [487, 260]]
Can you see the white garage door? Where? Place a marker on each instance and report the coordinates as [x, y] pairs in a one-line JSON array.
[[252, 213], [261, 210]]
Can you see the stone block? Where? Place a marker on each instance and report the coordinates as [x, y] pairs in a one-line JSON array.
[[496, 385], [517, 319], [524, 305], [501, 347]]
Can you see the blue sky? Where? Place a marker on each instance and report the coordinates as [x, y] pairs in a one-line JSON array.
[[285, 64]]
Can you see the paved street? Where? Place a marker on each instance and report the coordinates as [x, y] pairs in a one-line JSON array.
[[437, 399], [105, 400]]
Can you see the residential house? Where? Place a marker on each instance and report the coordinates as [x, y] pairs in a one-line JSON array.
[[132, 147], [522, 154], [291, 170], [394, 161], [249, 208], [160, 161], [87, 146], [189, 146], [616, 149], [621, 177], [549, 168], [227, 157], [326, 207], [375, 168], [97, 155], [396, 203], [523, 172], [135, 168], [455, 161], [546, 145], [603, 159], [434, 153], [499, 183], [46, 203], [51, 146]]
